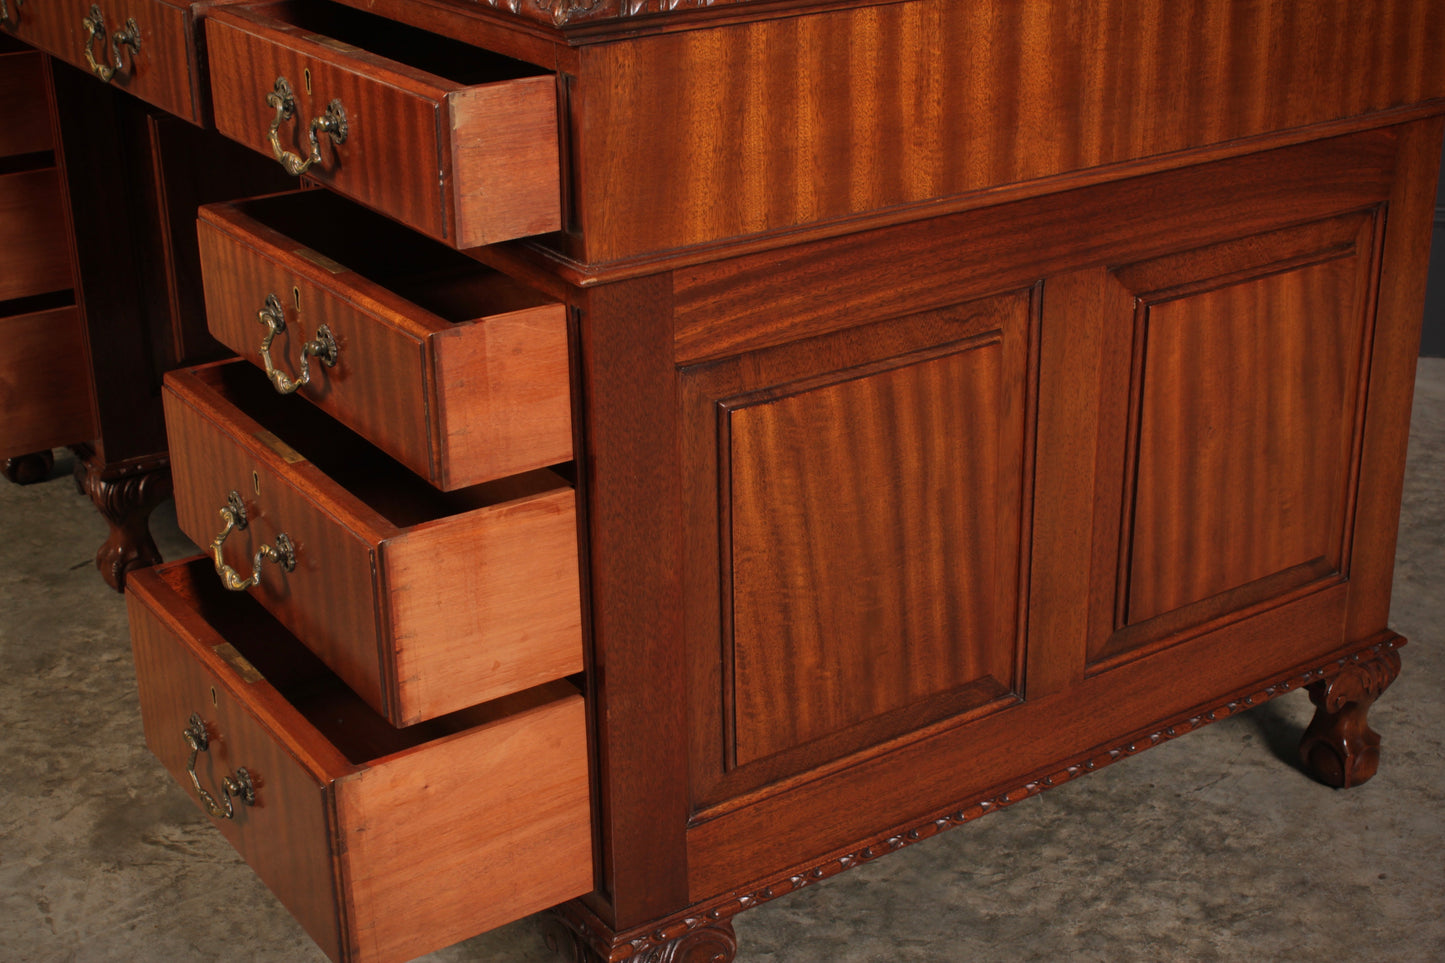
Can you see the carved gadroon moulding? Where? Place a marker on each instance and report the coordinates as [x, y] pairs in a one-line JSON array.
[[1341, 690]]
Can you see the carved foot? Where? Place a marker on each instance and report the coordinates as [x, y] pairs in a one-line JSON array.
[[29, 469], [695, 941], [125, 495], [1339, 748]]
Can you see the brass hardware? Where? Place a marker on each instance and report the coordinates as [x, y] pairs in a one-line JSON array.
[[332, 123], [238, 786], [8, 19], [94, 25], [323, 347], [283, 554]]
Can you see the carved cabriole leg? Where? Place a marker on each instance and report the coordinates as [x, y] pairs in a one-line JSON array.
[[125, 496], [1339, 748], [577, 937], [29, 469]]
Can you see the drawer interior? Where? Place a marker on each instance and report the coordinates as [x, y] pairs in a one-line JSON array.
[[353, 463], [428, 274], [432, 53], [349, 724]]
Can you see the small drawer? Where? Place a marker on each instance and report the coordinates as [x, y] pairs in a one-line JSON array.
[[383, 843], [44, 382], [423, 602], [34, 238], [456, 142], [452, 368], [144, 47], [26, 129]]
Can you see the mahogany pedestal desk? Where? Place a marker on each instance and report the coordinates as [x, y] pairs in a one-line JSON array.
[[745, 438]]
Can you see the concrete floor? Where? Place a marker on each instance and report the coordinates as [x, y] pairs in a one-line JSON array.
[[1213, 847]]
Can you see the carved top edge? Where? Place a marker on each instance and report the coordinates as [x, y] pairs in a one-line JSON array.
[[1378, 657], [562, 13]]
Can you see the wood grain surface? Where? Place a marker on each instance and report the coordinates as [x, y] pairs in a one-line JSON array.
[[804, 120], [34, 235], [388, 582], [444, 832], [867, 489], [474, 394], [160, 72], [44, 382], [469, 832], [467, 163], [27, 119]]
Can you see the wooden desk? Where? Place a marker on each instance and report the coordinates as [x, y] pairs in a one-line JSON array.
[[963, 397]]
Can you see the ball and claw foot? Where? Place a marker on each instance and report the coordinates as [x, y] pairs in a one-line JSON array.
[[1339, 748]]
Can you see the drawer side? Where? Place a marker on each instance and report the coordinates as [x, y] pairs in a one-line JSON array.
[[505, 160], [475, 832], [504, 398], [486, 605]]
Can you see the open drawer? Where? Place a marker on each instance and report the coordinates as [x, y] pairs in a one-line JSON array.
[[383, 843], [452, 368], [423, 602], [456, 142]]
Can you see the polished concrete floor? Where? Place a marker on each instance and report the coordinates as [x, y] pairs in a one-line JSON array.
[[1213, 847]]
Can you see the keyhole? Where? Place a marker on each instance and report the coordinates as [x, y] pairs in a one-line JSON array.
[[214, 701], [306, 78], [296, 297], [256, 483]]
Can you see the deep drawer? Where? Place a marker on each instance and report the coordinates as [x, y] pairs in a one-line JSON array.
[[44, 382], [453, 369], [456, 142], [33, 238], [383, 843], [157, 51], [423, 602], [22, 90]]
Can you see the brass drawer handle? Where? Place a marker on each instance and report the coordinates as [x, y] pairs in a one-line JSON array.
[[238, 786], [95, 27], [283, 554], [323, 346], [8, 19], [332, 123]]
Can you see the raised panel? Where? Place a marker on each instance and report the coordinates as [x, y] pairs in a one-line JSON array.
[[1242, 433], [862, 540], [867, 494]]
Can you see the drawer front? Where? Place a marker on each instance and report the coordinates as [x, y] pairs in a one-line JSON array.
[[34, 242], [22, 91], [385, 845], [466, 598], [157, 62], [44, 382], [466, 164], [330, 598], [457, 403]]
